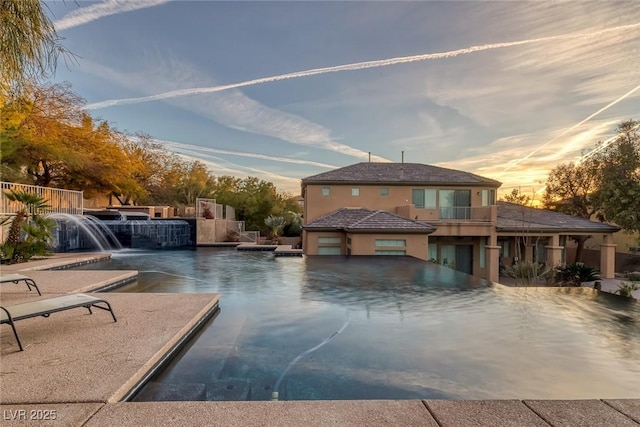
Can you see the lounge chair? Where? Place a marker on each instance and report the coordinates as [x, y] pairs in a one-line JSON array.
[[44, 307], [15, 278]]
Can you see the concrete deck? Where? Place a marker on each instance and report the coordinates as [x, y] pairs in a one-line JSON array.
[[76, 369]]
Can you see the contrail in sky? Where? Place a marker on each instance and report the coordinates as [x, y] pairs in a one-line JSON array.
[[84, 15], [566, 131], [602, 146], [351, 67], [198, 148]]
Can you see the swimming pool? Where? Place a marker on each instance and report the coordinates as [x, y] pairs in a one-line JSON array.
[[387, 328]]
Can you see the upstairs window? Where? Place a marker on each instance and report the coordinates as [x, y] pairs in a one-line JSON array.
[[488, 197], [355, 191], [384, 191], [326, 191], [424, 198]]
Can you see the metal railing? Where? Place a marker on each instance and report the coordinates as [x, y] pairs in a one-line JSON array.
[[465, 214], [58, 200], [208, 208]]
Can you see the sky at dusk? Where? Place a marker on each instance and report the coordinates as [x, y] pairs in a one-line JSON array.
[[284, 90]]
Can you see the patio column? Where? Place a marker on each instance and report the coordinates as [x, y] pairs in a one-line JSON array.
[[607, 257], [528, 251], [492, 255], [554, 251]]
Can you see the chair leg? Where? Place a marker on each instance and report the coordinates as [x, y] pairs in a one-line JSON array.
[[15, 333]]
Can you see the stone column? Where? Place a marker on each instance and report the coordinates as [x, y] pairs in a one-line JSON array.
[[607, 257]]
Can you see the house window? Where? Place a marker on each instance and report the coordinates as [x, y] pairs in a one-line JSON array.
[[329, 239], [355, 191], [329, 250], [326, 191], [454, 204], [488, 197], [505, 251], [384, 191], [433, 252], [483, 254], [424, 198], [387, 252], [391, 242]]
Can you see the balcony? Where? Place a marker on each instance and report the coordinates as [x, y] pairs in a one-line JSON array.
[[454, 214]]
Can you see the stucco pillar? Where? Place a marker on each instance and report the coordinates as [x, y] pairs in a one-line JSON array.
[[554, 251], [528, 251], [492, 256], [607, 257]]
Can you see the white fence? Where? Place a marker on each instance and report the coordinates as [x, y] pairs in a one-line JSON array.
[[57, 200], [208, 208]]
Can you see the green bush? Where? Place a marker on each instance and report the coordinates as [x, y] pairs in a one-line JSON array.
[[626, 289], [527, 272], [575, 274], [634, 277]]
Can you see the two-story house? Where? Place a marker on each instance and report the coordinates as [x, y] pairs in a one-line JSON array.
[[448, 216]]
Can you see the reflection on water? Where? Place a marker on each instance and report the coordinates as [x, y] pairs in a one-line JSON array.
[[415, 330]]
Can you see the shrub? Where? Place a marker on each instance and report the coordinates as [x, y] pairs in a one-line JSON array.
[[634, 277], [626, 289], [575, 274], [528, 272]]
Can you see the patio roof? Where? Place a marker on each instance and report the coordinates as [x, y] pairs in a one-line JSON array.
[[518, 218], [360, 220]]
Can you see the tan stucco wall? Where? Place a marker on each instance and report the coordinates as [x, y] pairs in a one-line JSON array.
[[340, 196], [365, 244], [310, 241]]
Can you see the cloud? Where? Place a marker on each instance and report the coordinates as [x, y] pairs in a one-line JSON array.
[[175, 146], [84, 15], [572, 128], [232, 109], [355, 67]]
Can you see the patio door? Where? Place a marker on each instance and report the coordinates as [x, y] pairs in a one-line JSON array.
[[454, 204]]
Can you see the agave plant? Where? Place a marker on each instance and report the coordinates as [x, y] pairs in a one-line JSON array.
[[29, 232], [576, 274], [626, 289]]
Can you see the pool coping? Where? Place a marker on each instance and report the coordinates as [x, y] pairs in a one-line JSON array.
[[112, 411]]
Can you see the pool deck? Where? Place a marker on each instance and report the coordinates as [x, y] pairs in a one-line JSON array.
[[77, 368]]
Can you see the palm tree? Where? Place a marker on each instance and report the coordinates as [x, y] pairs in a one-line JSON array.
[[276, 225], [29, 232]]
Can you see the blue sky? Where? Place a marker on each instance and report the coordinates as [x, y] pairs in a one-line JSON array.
[[284, 90]]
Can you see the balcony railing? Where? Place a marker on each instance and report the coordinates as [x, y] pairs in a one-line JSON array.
[[481, 214], [465, 214], [58, 200]]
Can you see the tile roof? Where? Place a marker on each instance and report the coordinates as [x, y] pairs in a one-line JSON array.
[[513, 217], [361, 220], [398, 173]]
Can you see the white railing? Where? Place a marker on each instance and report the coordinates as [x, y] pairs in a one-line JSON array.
[[57, 200], [229, 212], [208, 208]]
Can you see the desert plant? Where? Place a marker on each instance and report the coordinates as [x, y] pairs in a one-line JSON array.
[[634, 277], [275, 224], [527, 272], [575, 274], [626, 289], [29, 233]]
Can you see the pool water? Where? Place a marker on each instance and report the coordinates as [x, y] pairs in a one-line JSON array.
[[386, 328]]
